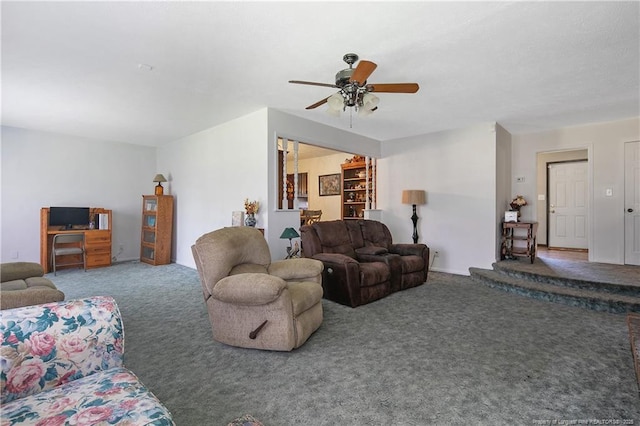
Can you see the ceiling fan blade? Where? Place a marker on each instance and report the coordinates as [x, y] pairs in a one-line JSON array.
[[362, 71], [311, 83], [317, 104], [394, 87]]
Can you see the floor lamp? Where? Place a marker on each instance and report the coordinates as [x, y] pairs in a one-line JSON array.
[[414, 197]]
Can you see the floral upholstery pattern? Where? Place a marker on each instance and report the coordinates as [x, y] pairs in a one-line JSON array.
[[62, 363]]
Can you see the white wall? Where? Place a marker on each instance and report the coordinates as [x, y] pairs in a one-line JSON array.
[[605, 143], [457, 168], [330, 164], [211, 173], [503, 180], [45, 169]]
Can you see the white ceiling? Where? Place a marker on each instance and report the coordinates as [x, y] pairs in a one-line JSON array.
[[73, 67]]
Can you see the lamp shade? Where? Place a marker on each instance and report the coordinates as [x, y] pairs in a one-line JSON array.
[[159, 178], [413, 196], [289, 233]]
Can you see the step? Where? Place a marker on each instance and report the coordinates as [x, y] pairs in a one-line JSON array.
[[586, 298], [609, 287]]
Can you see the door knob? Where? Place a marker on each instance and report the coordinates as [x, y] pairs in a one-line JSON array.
[[630, 210]]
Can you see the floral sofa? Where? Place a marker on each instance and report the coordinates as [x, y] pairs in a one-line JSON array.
[[62, 363]]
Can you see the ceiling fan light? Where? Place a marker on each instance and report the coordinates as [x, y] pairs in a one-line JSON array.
[[369, 101], [336, 101], [362, 112]]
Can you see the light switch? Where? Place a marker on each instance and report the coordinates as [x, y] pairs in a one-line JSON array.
[[541, 197], [608, 192]]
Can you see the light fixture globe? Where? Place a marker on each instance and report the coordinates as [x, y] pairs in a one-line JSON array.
[[369, 104], [335, 104], [369, 101]]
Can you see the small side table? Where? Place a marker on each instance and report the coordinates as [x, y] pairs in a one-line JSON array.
[[518, 240]]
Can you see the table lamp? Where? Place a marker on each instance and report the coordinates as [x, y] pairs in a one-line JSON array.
[[159, 189], [290, 233], [414, 197]]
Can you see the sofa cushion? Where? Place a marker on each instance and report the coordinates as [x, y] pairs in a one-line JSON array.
[[248, 289], [299, 269], [374, 273], [375, 233], [371, 250], [114, 396], [39, 282], [334, 237], [13, 285], [355, 233], [20, 270], [29, 296]]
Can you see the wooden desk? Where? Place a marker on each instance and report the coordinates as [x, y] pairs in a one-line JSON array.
[[97, 241], [519, 239]]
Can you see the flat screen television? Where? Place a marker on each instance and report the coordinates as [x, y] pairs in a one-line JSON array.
[[68, 216]]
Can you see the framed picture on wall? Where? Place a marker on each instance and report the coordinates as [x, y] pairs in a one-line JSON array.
[[329, 184]]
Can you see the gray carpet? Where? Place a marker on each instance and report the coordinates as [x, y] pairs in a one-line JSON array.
[[448, 352]]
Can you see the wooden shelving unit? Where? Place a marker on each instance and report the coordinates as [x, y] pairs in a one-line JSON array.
[[519, 240], [358, 189], [157, 228]]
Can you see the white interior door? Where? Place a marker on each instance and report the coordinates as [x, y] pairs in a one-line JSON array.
[[568, 205], [632, 203]]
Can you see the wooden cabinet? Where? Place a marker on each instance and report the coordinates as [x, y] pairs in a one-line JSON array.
[[157, 228], [97, 241], [519, 239], [358, 189], [98, 247]]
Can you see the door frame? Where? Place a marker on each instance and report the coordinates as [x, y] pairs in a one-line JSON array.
[[540, 164], [548, 189]]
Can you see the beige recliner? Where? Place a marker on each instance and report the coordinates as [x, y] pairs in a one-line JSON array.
[[252, 302]]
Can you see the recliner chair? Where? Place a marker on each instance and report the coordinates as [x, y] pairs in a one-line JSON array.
[[252, 302]]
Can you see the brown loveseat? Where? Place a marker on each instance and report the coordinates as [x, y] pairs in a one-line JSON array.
[[361, 263]]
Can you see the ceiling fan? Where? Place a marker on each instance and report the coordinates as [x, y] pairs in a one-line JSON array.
[[354, 90]]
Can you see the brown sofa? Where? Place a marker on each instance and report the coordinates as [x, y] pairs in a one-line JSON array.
[[24, 284], [361, 262]]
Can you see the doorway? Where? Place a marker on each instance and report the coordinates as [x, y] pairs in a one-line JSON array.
[[542, 206], [568, 213]]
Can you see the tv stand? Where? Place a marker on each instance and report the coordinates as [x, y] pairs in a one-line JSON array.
[[97, 241]]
